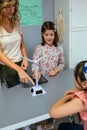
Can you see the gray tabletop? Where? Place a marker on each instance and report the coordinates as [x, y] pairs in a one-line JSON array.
[[19, 108]]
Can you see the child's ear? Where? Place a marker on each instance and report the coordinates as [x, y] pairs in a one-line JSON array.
[[84, 84]]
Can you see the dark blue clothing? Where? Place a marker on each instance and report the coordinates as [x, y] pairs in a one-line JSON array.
[[70, 126]]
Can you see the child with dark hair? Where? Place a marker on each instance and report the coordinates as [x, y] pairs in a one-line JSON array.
[[76, 99], [52, 58], [51, 53]]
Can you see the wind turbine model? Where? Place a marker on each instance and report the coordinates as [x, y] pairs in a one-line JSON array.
[[37, 89]]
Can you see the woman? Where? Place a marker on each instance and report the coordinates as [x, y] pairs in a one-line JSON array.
[[12, 47]]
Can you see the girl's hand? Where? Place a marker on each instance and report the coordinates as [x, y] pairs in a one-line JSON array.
[[34, 75], [68, 97], [53, 72], [71, 91], [24, 65]]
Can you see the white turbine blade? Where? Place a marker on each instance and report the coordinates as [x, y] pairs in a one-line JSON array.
[[33, 61], [28, 59]]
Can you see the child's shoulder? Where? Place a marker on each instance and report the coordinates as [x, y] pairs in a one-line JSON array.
[[39, 47], [60, 47], [81, 94]]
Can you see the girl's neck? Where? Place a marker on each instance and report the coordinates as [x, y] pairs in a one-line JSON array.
[[48, 45]]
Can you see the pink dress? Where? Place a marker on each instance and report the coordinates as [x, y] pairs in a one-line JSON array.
[[83, 114]]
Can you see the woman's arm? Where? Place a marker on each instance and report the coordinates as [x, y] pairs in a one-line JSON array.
[[24, 77], [24, 64], [23, 48], [66, 106]]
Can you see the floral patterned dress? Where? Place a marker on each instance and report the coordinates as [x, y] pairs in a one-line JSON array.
[[51, 57]]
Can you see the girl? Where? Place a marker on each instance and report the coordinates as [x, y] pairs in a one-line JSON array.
[[51, 58], [51, 54], [76, 99]]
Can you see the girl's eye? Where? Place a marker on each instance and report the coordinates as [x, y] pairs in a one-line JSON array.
[[51, 34], [46, 34]]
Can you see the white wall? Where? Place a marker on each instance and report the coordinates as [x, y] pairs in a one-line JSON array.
[[78, 32], [64, 5], [75, 43]]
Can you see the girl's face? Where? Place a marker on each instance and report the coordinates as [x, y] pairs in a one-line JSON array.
[[10, 10], [48, 36]]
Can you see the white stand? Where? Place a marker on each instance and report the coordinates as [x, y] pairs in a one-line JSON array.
[[37, 89]]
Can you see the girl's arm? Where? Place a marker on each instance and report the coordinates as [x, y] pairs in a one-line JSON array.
[[54, 71], [66, 106], [61, 62]]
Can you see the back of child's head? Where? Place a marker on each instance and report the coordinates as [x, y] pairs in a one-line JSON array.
[[80, 71], [49, 25]]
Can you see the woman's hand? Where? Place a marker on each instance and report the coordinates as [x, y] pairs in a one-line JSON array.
[[53, 72], [24, 77], [24, 64]]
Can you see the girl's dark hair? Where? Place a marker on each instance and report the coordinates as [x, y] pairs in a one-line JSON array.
[[48, 25], [0, 1], [79, 71]]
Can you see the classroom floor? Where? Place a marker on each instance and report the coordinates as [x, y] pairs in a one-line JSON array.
[[57, 122]]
